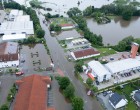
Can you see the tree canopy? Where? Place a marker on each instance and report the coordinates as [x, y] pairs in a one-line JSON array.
[[69, 91], [77, 103], [89, 82], [63, 82]]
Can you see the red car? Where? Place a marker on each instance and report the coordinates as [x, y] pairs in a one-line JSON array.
[[19, 73]]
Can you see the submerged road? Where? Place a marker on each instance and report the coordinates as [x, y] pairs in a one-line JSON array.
[[61, 64]]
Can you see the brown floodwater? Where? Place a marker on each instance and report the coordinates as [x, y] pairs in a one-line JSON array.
[[116, 30]]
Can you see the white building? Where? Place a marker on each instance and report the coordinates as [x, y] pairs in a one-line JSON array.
[[19, 27], [22, 18], [117, 101], [123, 66], [99, 71], [13, 37], [14, 13], [9, 55]]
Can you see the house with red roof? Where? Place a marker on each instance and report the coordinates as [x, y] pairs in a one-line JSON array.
[[84, 53], [32, 93], [67, 26]]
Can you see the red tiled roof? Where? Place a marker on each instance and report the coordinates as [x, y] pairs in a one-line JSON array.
[[65, 25], [32, 93], [85, 52]]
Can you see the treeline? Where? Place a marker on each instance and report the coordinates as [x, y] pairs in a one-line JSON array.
[[124, 10], [68, 91], [76, 15], [125, 44], [38, 30]]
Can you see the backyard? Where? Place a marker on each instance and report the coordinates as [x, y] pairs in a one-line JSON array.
[[126, 91], [59, 21], [106, 51]]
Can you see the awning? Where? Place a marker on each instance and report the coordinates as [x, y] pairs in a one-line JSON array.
[[91, 76]]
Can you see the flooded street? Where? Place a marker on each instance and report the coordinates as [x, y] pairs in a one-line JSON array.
[[115, 31]]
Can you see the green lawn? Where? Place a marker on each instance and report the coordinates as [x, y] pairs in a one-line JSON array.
[[106, 51], [58, 21]]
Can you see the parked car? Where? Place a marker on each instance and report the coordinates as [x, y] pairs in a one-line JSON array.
[[111, 58], [19, 73], [105, 93]]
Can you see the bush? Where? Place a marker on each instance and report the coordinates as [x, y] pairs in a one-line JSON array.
[[78, 66], [40, 33], [63, 82], [4, 107], [69, 91], [89, 82], [77, 103]]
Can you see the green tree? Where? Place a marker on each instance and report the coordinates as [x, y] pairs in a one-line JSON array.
[[63, 82], [69, 91], [127, 14], [57, 28], [88, 11], [89, 82], [74, 12], [40, 33], [94, 88], [78, 66], [4, 107], [121, 46], [31, 39], [52, 27], [77, 103]]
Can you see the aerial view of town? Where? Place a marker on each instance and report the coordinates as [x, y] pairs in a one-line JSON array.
[[69, 54]]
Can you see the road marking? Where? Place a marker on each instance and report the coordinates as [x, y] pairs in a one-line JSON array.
[[60, 72]]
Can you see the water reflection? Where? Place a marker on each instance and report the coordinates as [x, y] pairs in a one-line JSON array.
[[115, 31]]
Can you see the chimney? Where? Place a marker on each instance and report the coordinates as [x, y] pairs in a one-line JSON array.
[[134, 49]]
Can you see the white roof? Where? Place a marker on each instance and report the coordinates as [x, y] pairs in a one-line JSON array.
[[98, 68], [123, 65], [14, 12], [20, 13], [15, 26], [23, 18], [13, 37]]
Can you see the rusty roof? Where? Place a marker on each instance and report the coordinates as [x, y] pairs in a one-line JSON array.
[[32, 93], [8, 51], [85, 52]]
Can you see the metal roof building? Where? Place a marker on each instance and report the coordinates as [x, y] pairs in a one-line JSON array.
[[23, 27], [22, 18], [123, 66], [13, 37], [99, 71], [14, 13]]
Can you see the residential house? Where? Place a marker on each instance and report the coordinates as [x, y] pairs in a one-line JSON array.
[[117, 101]]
